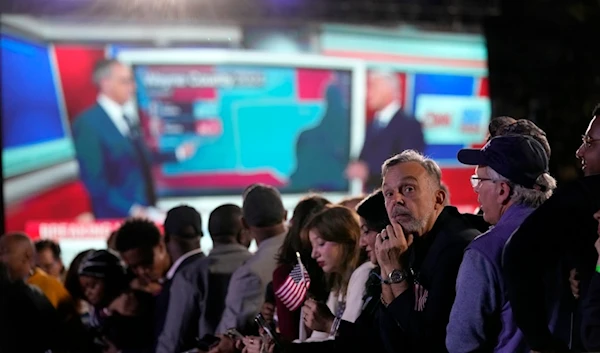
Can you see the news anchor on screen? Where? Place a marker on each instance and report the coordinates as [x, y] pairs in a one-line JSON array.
[[389, 133], [114, 162]]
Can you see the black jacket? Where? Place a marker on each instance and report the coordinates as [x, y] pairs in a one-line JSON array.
[[410, 326], [561, 228]]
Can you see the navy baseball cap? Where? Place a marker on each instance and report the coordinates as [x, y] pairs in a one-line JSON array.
[[519, 158]]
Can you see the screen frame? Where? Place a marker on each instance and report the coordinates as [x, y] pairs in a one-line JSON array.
[[357, 69]]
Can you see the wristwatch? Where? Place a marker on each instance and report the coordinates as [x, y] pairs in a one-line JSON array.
[[396, 276]]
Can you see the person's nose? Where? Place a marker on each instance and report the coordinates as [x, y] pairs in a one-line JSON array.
[[314, 253], [363, 241], [580, 150]]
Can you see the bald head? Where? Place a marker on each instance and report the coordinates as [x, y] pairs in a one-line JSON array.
[[17, 254]]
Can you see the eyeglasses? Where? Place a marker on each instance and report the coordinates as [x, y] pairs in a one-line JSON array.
[[475, 180], [588, 141]]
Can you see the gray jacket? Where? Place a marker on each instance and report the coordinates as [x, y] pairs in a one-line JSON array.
[[197, 298], [248, 284]]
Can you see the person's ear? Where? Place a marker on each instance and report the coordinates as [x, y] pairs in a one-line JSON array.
[[440, 198], [503, 193], [285, 215], [244, 223]]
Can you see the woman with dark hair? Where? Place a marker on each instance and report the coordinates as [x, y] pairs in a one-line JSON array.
[[297, 241], [122, 318], [74, 288]]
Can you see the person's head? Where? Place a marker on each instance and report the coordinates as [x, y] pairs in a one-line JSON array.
[[263, 212], [115, 80], [497, 124], [296, 239], [589, 151], [351, 202], [102, 277], [225, 226], [183, 230], [383, 89], [334, 234], [18, 254], [48, 257], [527, 128], [412, 191], [373, 219], [72, 284], [142, 248], [510, 169]]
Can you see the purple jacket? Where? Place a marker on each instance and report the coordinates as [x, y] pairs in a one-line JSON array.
[[481, 317]]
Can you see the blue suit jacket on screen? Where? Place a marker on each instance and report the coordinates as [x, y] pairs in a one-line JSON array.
[[110, 166], [401, 133]]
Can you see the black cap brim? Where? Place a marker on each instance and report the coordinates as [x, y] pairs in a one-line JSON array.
[[470, 156]]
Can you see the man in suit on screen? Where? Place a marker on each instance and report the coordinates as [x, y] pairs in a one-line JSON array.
[[389, 133], [115, 164]]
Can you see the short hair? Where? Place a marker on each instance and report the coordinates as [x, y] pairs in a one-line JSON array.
[[262, 206], [596, 110], [544, 187], [527, 128], [225, 221], [53, 246], [372, 210], [497, 123], [430, 166], [137, 233], [102, 69]]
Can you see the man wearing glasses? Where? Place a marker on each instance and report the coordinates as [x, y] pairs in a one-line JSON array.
[[511, 180]]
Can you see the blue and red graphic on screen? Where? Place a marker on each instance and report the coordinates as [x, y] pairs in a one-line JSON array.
[[286, 127]]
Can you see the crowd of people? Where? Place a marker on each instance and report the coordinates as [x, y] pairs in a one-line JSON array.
[[399, 270]]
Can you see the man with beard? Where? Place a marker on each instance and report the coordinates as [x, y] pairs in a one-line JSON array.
[[419, 255]]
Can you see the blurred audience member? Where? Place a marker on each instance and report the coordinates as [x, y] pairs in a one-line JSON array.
[[74, 288], [265, 216], [121, 318], [143, 249], [48, 258], [351, 202]]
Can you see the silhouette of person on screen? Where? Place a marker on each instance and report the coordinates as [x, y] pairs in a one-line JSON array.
[[322, 152], [391, 131], [114, 162]]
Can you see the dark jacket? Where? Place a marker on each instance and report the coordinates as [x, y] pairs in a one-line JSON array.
[[403, 132], [408, 325], [561, 227], [590, 328]]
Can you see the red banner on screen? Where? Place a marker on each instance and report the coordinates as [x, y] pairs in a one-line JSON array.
[[72, 230]]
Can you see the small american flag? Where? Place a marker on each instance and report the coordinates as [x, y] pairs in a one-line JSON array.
[[293, 291], [421, 295]]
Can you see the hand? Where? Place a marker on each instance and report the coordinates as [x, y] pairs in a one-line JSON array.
[[125, 305], [574, 282], [268, 312], [357, 170], [226, 345], [186, 150], [317, 316], [252, 344], [390, 244]]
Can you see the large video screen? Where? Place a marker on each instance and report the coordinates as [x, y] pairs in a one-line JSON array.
[[284, 126]]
